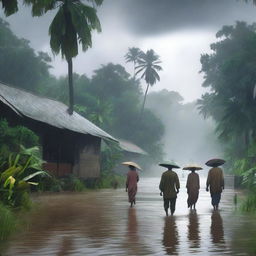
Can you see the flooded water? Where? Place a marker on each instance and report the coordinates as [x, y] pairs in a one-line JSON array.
[[102, 223]]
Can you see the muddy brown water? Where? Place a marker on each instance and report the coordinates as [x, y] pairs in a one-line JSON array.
[[102, 223]]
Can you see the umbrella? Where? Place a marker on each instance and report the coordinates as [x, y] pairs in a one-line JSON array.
[[215, 162], [192, 167], [169, 164], [132, 164]]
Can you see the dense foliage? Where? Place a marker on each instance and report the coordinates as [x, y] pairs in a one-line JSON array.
[[230, 75], [19, 64], [111, 98]]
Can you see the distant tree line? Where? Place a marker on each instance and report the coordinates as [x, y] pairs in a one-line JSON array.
[[111, 98]]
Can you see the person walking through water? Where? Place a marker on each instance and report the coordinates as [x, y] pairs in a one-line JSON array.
[[169, 186], [215, 181], [131, 181], [193, 186]]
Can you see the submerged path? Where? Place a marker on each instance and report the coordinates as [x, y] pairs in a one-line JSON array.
[[101, 223]]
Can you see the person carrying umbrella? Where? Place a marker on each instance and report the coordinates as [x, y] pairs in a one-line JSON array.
[[169, 186], [215, 181], [193, 185], [131, 181]]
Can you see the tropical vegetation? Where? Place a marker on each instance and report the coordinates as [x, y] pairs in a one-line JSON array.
[[229, 73], [133, 56], [148, 65], [71, 26]]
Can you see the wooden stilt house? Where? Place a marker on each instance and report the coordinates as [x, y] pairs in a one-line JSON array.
[[70, 143]]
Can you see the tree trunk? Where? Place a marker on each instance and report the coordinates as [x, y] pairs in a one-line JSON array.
[[143, 105], [134, 70], [70, 85]]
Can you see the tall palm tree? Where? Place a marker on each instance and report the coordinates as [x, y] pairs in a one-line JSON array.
[[148, 65], [73, 24], [133, 55]]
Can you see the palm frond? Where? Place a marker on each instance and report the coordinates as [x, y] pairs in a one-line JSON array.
[[148, 62], [40, 7], [9, 6], [133, 55], [139, 71], [96, 2]]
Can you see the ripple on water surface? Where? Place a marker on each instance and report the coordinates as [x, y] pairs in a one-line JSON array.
[[102, 223]]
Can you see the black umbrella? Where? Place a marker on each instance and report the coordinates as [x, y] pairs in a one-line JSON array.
[[215, 162], [192, 167], [169, 164]]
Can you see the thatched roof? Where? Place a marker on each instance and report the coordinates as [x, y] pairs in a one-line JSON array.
[[48, 111], [131, 147]]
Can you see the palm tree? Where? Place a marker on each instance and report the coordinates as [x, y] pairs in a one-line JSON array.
[[133, 55], [9, 6], [72, 25], [148, 64]]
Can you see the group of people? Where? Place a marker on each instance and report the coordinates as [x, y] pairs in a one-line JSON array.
[[169, 185]]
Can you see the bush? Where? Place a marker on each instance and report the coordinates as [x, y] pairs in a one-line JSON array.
[[111, 180], [249, 203], [17, 177], [7, 223], [12, 137], [78, 185]]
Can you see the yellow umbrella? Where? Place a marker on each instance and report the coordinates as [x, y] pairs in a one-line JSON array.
[[132, 164]]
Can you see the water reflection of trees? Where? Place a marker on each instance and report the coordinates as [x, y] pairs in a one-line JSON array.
[[193, 230], [217, 231], [170, 236]]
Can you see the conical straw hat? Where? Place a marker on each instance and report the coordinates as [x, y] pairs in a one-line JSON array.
[[132, 164]]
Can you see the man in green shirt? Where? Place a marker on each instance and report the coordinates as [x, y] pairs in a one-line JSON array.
[[169, 187]]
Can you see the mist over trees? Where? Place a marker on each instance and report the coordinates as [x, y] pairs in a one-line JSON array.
[[188, 138], [229, 73], [111, 98], [20, 65]]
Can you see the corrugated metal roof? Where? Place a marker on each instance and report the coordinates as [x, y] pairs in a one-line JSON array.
[[131, 147], [48, 111]]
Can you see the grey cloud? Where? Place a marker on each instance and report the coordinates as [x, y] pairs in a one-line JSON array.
[[146, 17], [143, 17]]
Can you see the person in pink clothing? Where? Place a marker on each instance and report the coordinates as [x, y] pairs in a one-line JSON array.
[[131, 184]]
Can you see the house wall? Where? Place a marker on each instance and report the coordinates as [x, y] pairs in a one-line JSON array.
[[87, 165], [68, 152], [64, 151]]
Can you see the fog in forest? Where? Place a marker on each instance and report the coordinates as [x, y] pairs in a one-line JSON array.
[[188, 138], [179, 32]]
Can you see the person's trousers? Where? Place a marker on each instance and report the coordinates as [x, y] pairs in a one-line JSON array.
[[216, 199], [170, 203]]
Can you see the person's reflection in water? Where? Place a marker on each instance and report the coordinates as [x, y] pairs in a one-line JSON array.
[[133, 243], [66, 246], [132, 226], [193, 230], [171, 236], [217, 232]]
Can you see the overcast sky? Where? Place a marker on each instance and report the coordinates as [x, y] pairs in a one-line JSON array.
[[178, 30]]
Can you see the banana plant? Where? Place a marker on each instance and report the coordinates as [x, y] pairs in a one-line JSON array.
[[15, 179]]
